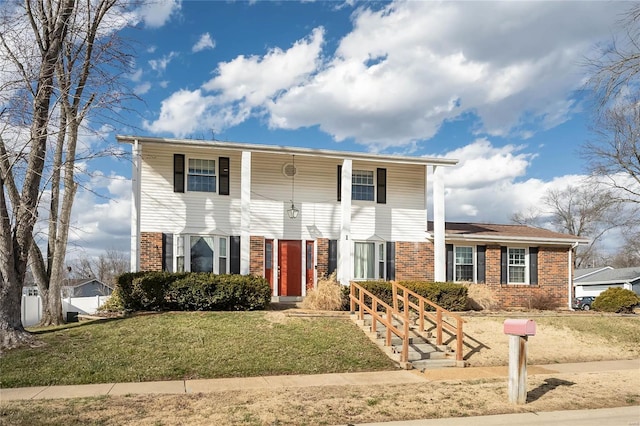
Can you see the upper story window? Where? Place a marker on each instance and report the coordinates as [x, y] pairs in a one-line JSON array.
[[463, 264], [362, 185], [202, 175], [517, 265]]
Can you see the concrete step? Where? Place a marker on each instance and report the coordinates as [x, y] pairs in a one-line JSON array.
[[419, 352], [430, 364]]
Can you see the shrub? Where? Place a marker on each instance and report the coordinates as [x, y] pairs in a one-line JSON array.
[[543, 302], [616, 299], [480, 297], [113, 304], [189, 291], [327, 296], [450, 296]]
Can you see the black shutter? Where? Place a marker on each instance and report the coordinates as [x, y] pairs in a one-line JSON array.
[[178, 172], [224, 175], [533, 265], [391, 261], [482, 264], [339, 183], [333, 256], [449, 262], [504, 262], [167, 252], [234, 254], [382, 186]]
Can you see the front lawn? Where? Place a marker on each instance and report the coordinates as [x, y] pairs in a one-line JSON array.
[[192, 345]]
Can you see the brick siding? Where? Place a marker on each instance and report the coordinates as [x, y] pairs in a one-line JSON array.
[[256, 256], [151, 251], [414, 261], [553, 279], [322, 259]]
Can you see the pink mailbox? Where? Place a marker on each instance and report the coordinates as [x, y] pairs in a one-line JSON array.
[[520, 327]]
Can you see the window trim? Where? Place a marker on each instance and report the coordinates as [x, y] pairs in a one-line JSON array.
[[186, 254], [474, 263], [526, 265], [215, 174], [379, 249], [373, 184]]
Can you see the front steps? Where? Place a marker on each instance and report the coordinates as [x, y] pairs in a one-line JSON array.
[[423, 354]]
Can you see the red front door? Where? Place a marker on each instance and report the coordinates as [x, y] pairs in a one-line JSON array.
[[289, 268]]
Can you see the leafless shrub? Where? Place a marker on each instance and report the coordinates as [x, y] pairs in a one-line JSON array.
[[327, 296]]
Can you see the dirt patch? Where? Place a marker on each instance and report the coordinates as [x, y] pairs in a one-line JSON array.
[[487, 345]]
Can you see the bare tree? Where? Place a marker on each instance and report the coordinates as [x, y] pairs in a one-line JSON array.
[[588, 210], [74, 74], [105, 267], [614, 153]]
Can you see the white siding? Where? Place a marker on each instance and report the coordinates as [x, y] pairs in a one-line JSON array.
[[403, 218]]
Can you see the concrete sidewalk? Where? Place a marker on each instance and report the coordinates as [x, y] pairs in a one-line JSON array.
[[273, 382], [622, 416]]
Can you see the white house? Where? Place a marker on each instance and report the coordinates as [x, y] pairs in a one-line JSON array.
[[294, 214]]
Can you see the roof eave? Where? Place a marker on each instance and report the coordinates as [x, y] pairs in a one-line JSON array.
[[278, 149], [515, 239]]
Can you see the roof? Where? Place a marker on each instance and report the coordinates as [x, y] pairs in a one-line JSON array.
[[278, 149], [584, 272], [79, 282], [490, 232], [610, 276]]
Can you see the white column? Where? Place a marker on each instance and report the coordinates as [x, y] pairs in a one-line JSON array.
[[245, 212], [135, 206], [344, 247], [439, 249]]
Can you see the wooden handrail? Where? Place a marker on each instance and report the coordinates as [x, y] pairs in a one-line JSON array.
[[357, 299], [423, 314]]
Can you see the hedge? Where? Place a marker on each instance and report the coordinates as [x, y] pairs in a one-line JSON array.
[[450, 296], [616, 299], [191, 291]]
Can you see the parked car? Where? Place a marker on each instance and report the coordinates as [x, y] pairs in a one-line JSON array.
[[583, 303]]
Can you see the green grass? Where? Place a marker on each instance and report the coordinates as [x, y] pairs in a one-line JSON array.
[[188, 346]]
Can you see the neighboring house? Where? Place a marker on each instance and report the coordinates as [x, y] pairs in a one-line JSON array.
[[593, 281], [295, 214], [85, 287]]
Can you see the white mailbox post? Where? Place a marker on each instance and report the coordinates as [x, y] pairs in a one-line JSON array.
[[519, 331]]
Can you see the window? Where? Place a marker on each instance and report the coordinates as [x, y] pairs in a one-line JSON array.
[[463, 264], [366, 257], [201, 255], [517, 265], [362, 187], [202, 175]]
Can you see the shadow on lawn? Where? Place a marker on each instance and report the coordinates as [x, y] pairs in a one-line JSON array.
[[70, 325], [547, 386]]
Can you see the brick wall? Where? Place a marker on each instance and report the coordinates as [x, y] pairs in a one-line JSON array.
[[151, 251], [256, 256], [414, 261], [553, 279], [322, 260]]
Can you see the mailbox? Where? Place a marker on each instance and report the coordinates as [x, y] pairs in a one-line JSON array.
[[520, 327]]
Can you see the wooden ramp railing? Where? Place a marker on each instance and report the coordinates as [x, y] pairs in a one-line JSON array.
[[406, 305], [441, 318], [380, 312]]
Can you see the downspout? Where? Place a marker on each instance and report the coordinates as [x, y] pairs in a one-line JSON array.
[[135, 207], [573, 246]]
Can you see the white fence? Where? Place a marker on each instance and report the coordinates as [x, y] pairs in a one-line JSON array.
[[32, 307]]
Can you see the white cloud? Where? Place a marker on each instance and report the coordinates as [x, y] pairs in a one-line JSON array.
[[407, 67], [488, 183], [142, 88], [241, 88], [136, 76], [205, 42], [160, 65], [156, 13]]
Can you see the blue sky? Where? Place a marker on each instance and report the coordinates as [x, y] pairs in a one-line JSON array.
[[496, 85]]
